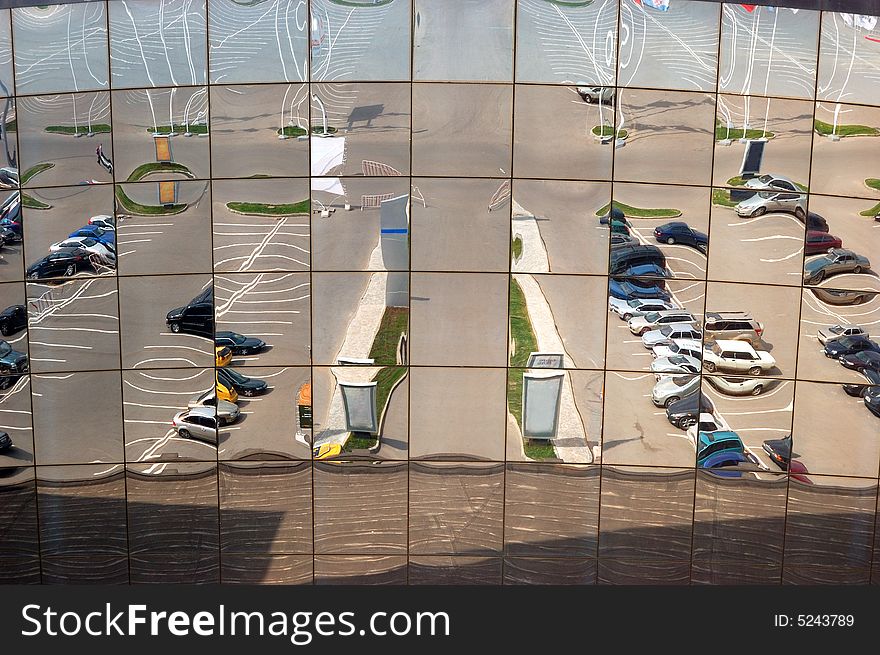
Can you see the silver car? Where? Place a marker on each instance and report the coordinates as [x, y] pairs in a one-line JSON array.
[[675, 365], [734, 386], [197, 423], [773, 201], [668, 390], [834, 332], [769, 181], [603, 94], [226, 411], [627, 309], [669, 332]]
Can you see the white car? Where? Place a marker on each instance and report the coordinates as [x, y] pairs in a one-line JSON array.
[[772, 182], [733, 386], [834, 332], [655, 320], [707, 423], [690, 347], [105, 221], [668, 390], [675, 365], [668, 333], [731, 355], [102, 251], [626, 309]]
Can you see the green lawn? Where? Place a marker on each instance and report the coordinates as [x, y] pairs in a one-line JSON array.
[[721, 133], [844, 130], [871, 212], [97, 128], [133, 207], [639, 212], [517, 247], [149, 168], [538, 449], [873, 183], [607, 130], [736, 180], [179, 128], [722, 197], [288, 209], [296, 130], [525, 343], [35, 170], [33, 203]]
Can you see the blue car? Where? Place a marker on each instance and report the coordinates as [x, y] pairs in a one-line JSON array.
[[710, 444], [681, 232], [726, 463], [107, 237], [630, 290], [647, 270]]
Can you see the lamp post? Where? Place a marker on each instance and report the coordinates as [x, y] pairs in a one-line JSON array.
[[323, 112]]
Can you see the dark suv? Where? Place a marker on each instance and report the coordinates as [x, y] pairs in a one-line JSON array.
[[626, 256], [13, 319], [13, 364], [196, 317]]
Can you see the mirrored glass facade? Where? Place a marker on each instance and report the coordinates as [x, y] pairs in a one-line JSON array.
[[439, 292]]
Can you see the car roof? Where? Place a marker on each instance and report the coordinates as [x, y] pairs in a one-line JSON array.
[[728, 315], [719, 435], [733, 344], [203, 411]]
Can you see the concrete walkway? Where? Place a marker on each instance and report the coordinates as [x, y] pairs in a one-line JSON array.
[[571, 442]]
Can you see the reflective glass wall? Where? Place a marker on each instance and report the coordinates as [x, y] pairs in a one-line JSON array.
[[439, 292]]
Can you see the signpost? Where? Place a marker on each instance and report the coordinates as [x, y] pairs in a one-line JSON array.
[[540, 404]]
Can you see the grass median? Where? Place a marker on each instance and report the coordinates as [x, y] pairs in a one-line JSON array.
[[827, 129], [179, 129], [134, 207], [267, 209], [33, 171], [149, 168], [639, 212], [98, 128]]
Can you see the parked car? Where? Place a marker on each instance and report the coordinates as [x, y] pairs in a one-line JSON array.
[[98, 233], [872, 400], [196, 317], [197, 423], [768, 181], [733, 325], [326, 451], [840, 330], [707, 422], [690, 347], [848, 346], [680, 232], [842, 296], [228, 394], [8, 177], [654, 320], [726, 354], [614, 214], [858, 390], [222, 356], [709, 443], [13, 319], [728, 464], [814, 222], [866, 360], [735, 386], [773, 201], [684, 413], [598, 94], [64, 262], [244, 385], [627, 256], [227, 412], [238, 343], [104, 221], [12, 362], [819, 242], [779, 451], [675, 365], [672, 389], [627, 309], [669, 332], [5, 441], [648, 269], [838, 260], [633, 289], [105, 253], [618, 239]]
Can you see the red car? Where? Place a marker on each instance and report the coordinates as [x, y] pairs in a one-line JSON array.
[[819, 242]]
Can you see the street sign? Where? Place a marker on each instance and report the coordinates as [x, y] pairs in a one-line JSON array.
[[545, 360]]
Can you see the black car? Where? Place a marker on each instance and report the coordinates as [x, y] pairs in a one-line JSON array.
[[779, 451], [13, 319], [244, 385], [872, 400], [681, 232], [64, 262], [849, 346], [12, 362], [858, 390], [686, 412], [196, 317], [238, 343], [5, 441], [815, 223], [867, 360]]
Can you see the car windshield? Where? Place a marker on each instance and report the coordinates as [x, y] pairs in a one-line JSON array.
[[681, 380], [651, 316], [766, 194], [236, 338], [235, 375], [5, 348], [635, 304], [666, 330], [87, 242], [716, 348], [678, 359], [766, 179]]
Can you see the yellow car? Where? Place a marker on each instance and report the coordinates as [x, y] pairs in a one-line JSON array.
[[326, 451], [223, 355], [226, 393]]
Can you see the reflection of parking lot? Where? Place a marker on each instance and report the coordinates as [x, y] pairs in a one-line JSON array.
[[15, 420]]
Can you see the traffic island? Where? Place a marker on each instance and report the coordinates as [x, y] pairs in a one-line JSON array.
[[725, 135], [268, 209], [169, 130], [873, 183], [873, 211], [33, 171], [151, 168], [32, 203], [133, 207], [843, 131], [295, 131], [638, 212], [79, 130]]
